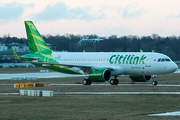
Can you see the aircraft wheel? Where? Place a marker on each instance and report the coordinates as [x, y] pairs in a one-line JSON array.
[[154, 83], [112, 81], [89, 82], [116, 81], [85, 82]]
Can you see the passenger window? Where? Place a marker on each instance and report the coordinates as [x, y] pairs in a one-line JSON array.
[[159, 59], [162, 60]]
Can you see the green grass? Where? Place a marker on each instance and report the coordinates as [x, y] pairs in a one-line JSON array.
[[80, 107]]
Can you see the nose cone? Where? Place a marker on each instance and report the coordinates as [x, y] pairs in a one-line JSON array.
[[174, 67]]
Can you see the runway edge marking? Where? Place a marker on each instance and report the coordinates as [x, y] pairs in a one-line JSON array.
[[117, 93]]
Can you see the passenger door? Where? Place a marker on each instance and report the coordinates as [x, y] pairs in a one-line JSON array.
[[148, 61]]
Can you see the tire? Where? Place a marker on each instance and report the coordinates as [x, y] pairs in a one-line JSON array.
[[154, 83], [116, 81], [112, 81], [89, 82], [85, 82]]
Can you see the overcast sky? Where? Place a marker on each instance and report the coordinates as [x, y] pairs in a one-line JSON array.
[[100, 17]]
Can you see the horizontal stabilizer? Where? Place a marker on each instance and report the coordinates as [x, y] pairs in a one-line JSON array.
[[15, 55]]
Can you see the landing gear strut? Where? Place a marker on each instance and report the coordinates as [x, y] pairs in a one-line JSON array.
[[114, 81], [86, 82], [154, 83]]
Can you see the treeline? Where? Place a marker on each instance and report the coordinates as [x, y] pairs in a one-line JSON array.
[[169, 45]]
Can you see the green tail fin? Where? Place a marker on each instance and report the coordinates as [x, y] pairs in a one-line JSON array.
[[35, 41]]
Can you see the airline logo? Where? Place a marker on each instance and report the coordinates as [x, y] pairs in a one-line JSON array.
[[127, 59]]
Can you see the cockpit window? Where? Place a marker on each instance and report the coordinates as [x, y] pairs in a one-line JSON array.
[[162, 60], [159, 59], [167, 59]]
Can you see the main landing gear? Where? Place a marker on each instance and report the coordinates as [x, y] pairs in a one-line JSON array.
[[114, 81], [86, 82]]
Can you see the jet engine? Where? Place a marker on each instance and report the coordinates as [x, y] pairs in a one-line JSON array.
[[141, 78], [100, 75]]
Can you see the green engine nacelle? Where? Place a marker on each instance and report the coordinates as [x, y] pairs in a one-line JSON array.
[[141, 78], [100, 75]]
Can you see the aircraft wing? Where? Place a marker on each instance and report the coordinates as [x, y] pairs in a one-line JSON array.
[[84, 66]]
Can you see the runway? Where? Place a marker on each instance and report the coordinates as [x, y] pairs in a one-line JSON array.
[[177, 71], [162, 85], [9, 93], [159, 85], [38, 75], [117, 93], [177, 113], [107, 93], [44, 75]]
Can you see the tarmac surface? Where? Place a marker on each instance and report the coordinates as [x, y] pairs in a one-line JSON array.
[[44, 75], [177, 113], [117, 93], [147, 94], [162, 85], [158, 88], [37, 75], [106, 93]]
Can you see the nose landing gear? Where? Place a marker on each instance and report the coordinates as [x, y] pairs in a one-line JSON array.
[[86, 82], [154, 83]]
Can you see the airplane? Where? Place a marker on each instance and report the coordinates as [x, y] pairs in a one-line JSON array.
[[97, 66]]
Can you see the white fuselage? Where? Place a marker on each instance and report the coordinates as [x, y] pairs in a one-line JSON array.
[[128, 63]]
